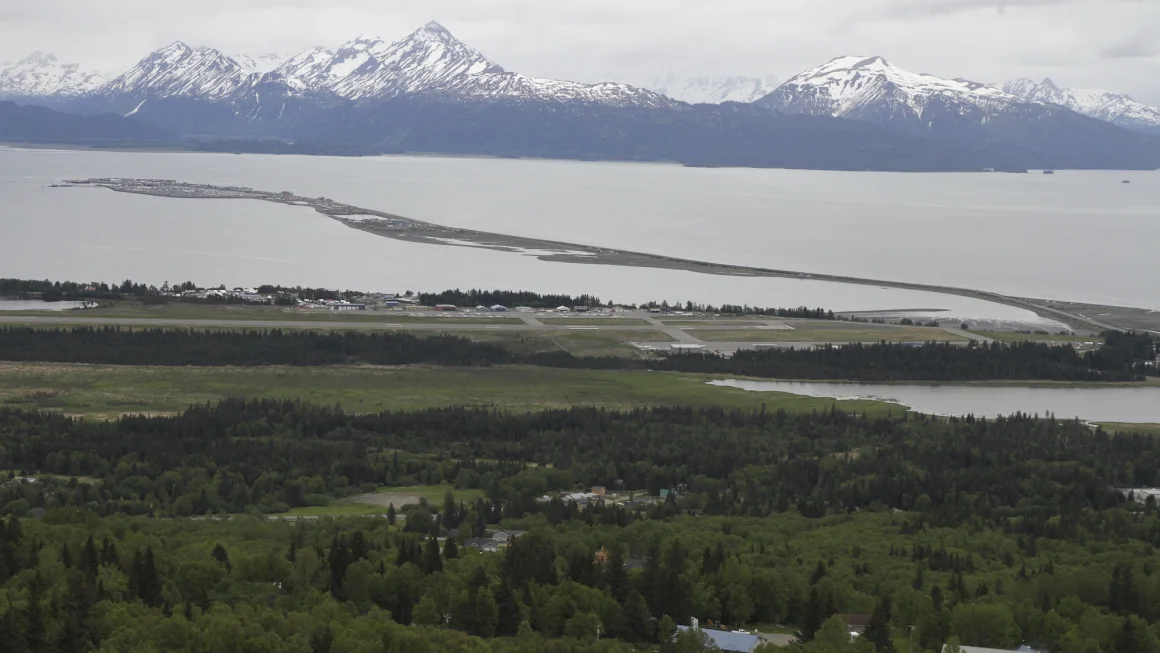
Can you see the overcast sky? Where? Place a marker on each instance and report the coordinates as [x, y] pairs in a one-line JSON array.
[[1081, 43]]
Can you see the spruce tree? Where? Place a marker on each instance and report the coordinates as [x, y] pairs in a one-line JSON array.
[[878, 630], [432, 560]]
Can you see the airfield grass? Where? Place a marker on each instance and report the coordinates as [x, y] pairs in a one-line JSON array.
[[811, 333], [593, 321], [380, 501], [1149, 429], [337, 509], [107, 391]]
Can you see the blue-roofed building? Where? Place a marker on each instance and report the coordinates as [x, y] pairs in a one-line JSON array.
[[730, 641]]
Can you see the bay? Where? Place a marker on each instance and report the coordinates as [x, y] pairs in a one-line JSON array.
[[1027, 235]]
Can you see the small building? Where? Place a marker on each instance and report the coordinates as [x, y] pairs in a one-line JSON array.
[[563, 309], [499, 308], [506, 537], [857, 623], [580, 309], [481, 544], [392, 304], [348, 307], [446, 308], [983, 649], [730, 641], [598, 490]]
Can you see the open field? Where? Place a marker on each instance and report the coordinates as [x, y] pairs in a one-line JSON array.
[[580, 342], [108, 391], [710, 323], [403, 496], [812, 333], [593, 321], [1150, 429], [337, 509], [380, 501]]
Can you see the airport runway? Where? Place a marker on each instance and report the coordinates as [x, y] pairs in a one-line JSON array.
[[679, 335]]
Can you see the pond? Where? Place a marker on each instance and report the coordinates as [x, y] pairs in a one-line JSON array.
[[1138, 404], [39, 305]]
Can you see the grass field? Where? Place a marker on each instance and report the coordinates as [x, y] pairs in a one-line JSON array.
[[580, 342], [811, 333], [108, 391], [1150, 429], [709, 324], [380, 501], [343, 509], [593, 321]]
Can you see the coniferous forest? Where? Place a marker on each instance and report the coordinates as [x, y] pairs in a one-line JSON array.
[[989, 532]]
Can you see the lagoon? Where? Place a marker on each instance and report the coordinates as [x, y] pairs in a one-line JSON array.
[[1139, 404]]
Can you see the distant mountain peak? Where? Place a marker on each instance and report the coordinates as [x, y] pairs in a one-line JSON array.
[[41, 74], [707, 89], [39, 58], [873, 89], [1116, 108], [179, 70], [436, 30]]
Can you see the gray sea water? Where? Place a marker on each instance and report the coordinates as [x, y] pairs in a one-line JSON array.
[[1082, 236]]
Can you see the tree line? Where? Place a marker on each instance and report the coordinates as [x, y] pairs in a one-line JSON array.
[[1049, 477], [1125, 357]]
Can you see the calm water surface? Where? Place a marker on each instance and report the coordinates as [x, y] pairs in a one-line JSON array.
[[1028, 235], [1137, 404], [37, 305]]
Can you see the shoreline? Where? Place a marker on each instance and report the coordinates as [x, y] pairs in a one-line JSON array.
[[397, 227]]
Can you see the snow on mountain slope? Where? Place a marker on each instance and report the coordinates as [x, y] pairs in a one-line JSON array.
[[859, 87], [715, 90], [179, 70], [1115, 108], [432, 61], [262, 63], [42, 75], [320, 69]]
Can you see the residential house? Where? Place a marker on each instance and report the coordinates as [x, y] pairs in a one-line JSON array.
[[730, 641]]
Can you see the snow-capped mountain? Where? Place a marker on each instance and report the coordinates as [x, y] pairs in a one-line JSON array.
[[432, 61], [871, 89], [262, 63], [320, 69], [178, 70], [715, 90], [43, 75], [1108, 106]]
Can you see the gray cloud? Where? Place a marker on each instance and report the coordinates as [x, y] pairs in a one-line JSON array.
[[1076, 42]]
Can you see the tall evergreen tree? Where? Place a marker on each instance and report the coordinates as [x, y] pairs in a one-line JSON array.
[[432, 558], [878, 630]]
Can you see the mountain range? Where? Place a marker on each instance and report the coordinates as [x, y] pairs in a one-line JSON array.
[[430, 92], [1116, 108]]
